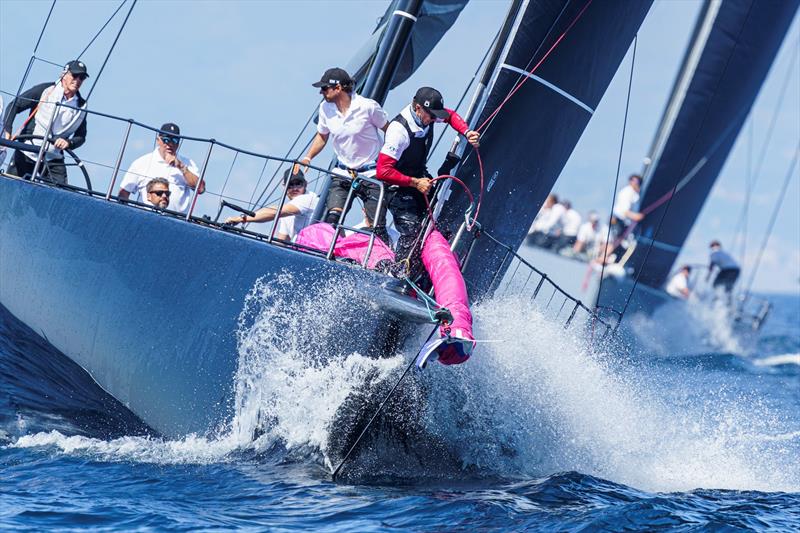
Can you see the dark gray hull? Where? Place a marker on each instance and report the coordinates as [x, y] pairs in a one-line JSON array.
[[149, 304]]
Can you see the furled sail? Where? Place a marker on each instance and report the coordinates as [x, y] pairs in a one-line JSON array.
[[733, 45], [435, 18], [580, 44]]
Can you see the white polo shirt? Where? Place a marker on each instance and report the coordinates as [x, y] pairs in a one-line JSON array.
[[291, 225], [677, 284], [354, 134], [548, 218], [587, 233], [151, 166], [570, 223], [626, 199]]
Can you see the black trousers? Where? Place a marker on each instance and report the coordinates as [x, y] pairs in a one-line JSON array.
[[726, 279], [53, 170], [408, 208], [337, 196]]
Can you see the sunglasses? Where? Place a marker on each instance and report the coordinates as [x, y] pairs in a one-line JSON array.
[[169, 140], [297, 185], [325, 88], [161, 193]]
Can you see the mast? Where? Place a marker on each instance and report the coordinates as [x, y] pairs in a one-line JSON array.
[[733, 46], [391, 49], [578, 45]]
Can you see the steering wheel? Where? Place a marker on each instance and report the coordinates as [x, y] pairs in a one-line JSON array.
[[76, 160]]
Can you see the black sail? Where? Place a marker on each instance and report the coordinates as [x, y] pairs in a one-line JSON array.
[[434, 19], [528, 142], [732, 49]]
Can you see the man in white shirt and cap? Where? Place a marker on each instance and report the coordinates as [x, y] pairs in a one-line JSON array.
[[678, 286], [296, 212], [68, 127], [351, 122], [589, 236], [164, 162]]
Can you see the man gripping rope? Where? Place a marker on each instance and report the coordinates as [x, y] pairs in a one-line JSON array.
[[402, 164]]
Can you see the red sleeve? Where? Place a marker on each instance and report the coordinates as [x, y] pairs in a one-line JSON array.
[[388, 173], [457, 123]]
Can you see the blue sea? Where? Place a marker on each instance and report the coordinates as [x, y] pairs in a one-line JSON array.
[[538, 431]]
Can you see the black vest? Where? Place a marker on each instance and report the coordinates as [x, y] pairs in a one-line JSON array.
[[412, 162]]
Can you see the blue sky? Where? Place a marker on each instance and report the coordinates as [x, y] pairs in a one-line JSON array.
[[240, 72]]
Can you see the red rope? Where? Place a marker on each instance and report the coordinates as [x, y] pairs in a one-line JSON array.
[[526, 78]]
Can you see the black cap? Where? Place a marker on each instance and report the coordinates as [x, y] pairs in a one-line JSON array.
[[333, 76], [431, 100], [170, 129], [299, 177], [77, 67]]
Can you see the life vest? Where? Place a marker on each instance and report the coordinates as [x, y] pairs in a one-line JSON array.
[[413, 160]]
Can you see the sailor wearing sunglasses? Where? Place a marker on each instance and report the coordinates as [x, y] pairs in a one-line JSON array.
[[164, 162]]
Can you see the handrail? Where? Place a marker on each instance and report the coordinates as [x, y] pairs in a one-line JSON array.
[[189, 216], [543, 278]]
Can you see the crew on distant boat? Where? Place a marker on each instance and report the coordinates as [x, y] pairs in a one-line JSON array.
[[158, 193], [726, 266], [164, 162], [352, 122], [678, 286], [589, 236], [402, 163], [296, 213], [568, 226], [624, 205], [68, 127], [545, 221]]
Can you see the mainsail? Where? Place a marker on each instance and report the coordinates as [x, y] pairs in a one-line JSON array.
[[733, 45], [580, 44]]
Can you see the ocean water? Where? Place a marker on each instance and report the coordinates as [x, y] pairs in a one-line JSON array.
[[535, 432]]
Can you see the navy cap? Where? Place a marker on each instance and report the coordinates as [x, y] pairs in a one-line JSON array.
[[77, 67], [298, 177], [170, 128], [333, 76], [431, 100]]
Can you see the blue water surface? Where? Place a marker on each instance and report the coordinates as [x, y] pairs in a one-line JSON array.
[[72, 457]]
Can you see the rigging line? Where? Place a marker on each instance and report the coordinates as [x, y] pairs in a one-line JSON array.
[[101, 29], [379, 409], [235, 156], [288, 153], [670, 195], [771, 128], [773, 218], [466, 90], [114, 44], [538, 64], [33, 57], [619, 167]]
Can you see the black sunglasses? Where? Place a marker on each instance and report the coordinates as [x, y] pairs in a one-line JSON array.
[[169, 140], [161, 193]]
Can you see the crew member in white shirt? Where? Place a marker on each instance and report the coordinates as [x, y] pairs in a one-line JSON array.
[[296, 213], [352, 123], [678, 286], [569, 224], [164, 162], [588, 235], [545, 222], [625, 205]]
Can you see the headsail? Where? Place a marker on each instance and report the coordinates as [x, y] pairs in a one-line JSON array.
[[733, 45], [435, 18], [528, 142]]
